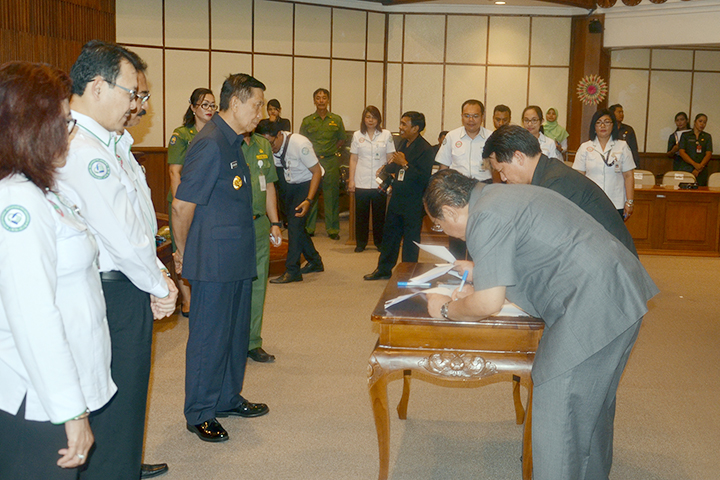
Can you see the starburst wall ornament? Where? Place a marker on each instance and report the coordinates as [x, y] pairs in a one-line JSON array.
[[592, 89]]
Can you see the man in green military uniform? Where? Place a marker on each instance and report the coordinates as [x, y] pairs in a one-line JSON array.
[[327, 133], [258, 155], [178, 147]]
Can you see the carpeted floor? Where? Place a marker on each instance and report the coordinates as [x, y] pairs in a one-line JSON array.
[[321, 426]]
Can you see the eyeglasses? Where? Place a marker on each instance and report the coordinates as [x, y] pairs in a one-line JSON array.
[[207, 106], [603, 123], [474, 117], [71, 122], [143, 98], [531, 121], [133, 94]]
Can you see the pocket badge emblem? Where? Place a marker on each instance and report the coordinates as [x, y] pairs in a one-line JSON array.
[[237, 183]]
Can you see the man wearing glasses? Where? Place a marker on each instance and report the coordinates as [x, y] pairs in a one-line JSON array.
[[142, 202], [96, 178], [462, 151]]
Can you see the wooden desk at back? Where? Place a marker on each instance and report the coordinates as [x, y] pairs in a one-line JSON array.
[[410, 341], [670, 221]]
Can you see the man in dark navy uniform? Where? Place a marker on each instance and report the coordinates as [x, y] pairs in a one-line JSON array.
[[215, 238]]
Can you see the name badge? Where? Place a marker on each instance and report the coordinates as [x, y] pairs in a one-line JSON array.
[[617, 167], [237, 183], [263, 184], [401, 175]]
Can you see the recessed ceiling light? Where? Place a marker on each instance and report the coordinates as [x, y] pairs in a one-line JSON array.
[[500, 3]]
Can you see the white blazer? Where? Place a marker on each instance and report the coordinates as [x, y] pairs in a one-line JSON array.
[[54, 337]]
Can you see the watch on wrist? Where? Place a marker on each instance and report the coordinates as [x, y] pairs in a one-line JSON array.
[[309, 200], [444, 310], [276, 224], [630, 202]]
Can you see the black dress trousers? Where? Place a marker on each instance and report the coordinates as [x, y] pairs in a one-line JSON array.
[[120, 425], [367, 200], [299, 241], [32, 448]]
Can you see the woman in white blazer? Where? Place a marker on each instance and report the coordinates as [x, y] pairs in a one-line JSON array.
[[608, 162], [370, 149], [54, 339]]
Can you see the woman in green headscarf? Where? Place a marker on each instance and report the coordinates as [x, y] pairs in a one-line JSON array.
[[551, 129]]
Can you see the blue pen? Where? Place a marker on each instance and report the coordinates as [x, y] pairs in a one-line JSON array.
[[412, 285], [462, 282]]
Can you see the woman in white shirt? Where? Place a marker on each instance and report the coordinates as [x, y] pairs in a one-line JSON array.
[[370, 149], [608, 162], [532, 118], [55, 355]]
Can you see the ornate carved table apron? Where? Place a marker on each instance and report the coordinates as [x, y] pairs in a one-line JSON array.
[[410, 341]]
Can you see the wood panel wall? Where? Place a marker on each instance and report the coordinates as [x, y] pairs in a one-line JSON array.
[[587, 57], [53, 31], [154, 160]]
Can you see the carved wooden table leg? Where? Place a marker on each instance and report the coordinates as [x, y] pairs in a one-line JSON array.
[[519, 410], [402, 406], [377, 383], [527, 466]]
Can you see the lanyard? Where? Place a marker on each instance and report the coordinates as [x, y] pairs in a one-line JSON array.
[[286, 145], [606, 158]]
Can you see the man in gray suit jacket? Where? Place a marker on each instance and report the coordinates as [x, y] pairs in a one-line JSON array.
[[545, 254]]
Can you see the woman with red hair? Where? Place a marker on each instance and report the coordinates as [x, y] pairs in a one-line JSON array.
[[55, 354]]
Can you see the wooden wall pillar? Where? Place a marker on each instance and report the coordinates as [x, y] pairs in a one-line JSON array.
[[588, 57]]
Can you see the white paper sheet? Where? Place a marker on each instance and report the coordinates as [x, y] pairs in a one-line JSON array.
[[508, 309], [440, 270], [439, 251]]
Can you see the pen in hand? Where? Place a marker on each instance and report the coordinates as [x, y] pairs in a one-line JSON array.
[[462, 282]]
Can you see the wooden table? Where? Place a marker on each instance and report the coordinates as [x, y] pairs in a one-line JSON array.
[[667, 221], [410, 341]]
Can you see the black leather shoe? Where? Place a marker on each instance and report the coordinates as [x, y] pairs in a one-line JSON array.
[[246, 409], [359, 249], [313, 267], [334, 236], [150, 470], [377, 275], [287, 278], [260, 355], [210, 431]]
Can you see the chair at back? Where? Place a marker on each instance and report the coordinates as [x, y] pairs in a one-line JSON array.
[[675, 178], [714, 180], [569, 163], [644, 177]]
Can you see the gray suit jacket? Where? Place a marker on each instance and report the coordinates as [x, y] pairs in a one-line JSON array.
[[558, 264]]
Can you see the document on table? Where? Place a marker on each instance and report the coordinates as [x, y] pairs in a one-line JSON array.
[[439, 270], [439, 251], [444, 290], [508, 309]]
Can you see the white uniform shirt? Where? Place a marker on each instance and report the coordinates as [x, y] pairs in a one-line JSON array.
[[372, 154], [464, 154], [54, 337], [141, 198], [548, 147], [299, 158], [606, 167], [95, 181]]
